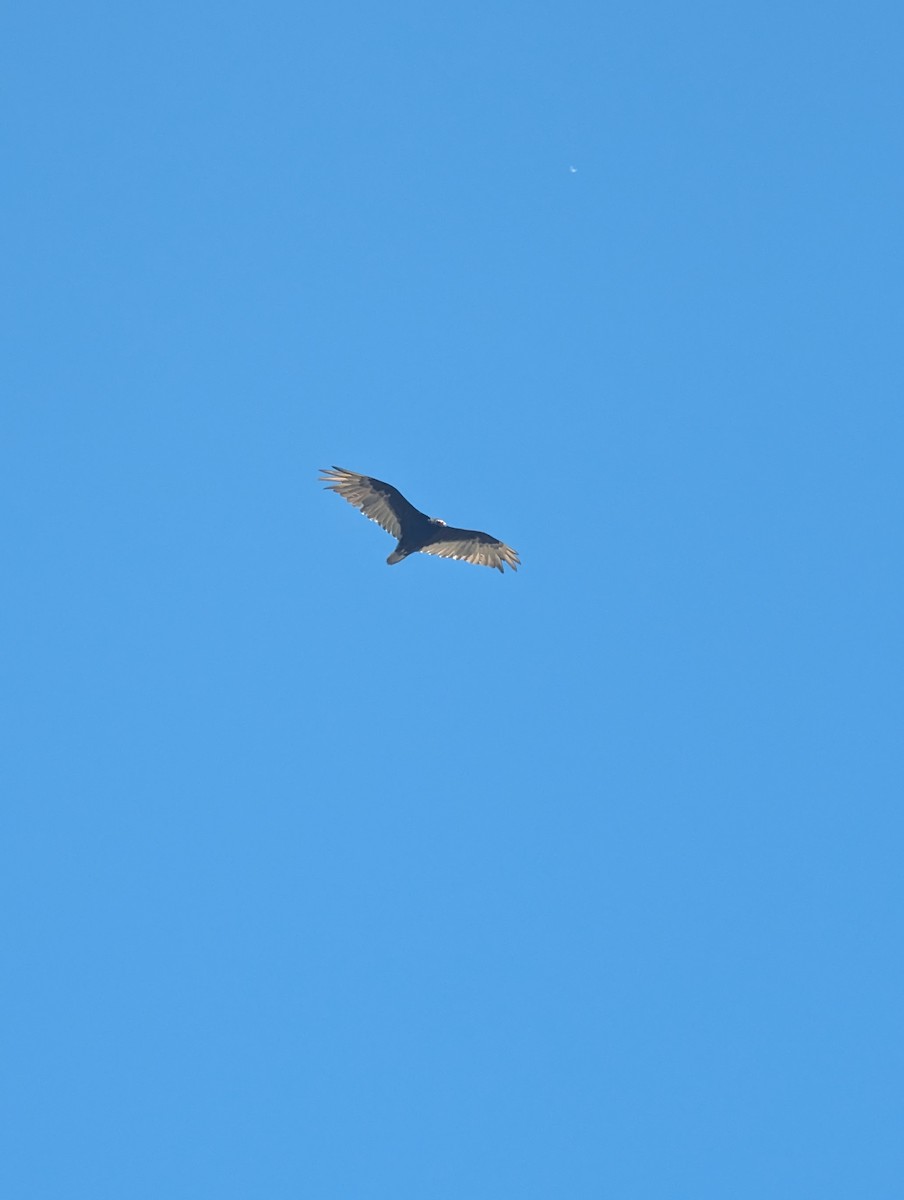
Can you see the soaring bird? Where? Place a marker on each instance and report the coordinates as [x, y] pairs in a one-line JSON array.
[[383, 503]]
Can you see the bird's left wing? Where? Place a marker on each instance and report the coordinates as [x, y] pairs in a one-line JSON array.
[[379, 501], [471, 546]]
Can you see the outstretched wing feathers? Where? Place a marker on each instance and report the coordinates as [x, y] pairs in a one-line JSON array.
[[472, 546], [379, 501]]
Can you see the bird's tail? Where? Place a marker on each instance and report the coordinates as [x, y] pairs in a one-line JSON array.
[[397, 556]]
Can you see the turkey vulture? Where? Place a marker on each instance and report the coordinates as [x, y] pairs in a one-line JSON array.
[[416, 532]]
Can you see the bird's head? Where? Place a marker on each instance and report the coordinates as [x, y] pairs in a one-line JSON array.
[[436, 521]]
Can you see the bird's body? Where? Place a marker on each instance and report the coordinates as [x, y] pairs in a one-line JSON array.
[[416, 532]]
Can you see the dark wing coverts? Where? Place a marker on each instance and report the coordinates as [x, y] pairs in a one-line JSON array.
[[379, 501]]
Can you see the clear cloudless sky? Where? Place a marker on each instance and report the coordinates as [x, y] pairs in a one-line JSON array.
[[325, 879]]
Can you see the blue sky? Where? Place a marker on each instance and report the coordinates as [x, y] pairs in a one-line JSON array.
[[323, 878]]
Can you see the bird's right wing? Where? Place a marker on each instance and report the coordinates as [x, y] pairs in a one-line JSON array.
[[472, 546], [379, 501]]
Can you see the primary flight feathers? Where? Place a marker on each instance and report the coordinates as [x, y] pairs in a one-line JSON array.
[[416, 532]]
